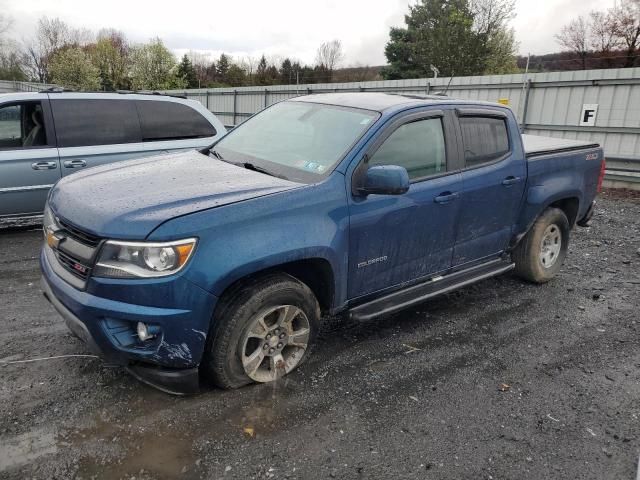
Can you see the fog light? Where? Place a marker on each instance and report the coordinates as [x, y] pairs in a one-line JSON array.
[[143, 332]]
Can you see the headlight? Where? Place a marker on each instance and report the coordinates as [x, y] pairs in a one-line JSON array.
[[48, 220], [143, 259]]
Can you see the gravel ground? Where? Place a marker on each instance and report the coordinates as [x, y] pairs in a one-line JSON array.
[[500, 380]]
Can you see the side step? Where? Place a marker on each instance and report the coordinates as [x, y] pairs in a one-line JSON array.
[[409, 296]]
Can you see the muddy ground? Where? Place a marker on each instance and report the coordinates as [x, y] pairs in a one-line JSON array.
[[416, 395]]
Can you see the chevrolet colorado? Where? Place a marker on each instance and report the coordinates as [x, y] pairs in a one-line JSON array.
[[220, 263]]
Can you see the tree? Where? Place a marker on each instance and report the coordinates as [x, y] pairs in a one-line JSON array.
[[153, 67], [329, 55], [187, 72], [222, 68], [261, 71], [236, 76], [575, 37], [627, 18], [111, 55], [71, 67], [502, 53], [286, 73], [440, 33], [52, 35], [11, 59], [202, 67]]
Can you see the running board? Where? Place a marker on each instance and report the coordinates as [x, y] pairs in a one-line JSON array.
[[433, 287]]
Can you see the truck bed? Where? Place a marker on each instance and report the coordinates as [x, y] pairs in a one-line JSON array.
[[535, 145]]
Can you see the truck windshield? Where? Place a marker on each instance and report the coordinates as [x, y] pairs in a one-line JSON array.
[[298, 141]]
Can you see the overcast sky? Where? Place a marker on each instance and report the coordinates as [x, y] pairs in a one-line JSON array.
[[281, 28]]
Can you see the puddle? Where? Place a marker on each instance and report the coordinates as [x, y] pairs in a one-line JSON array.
[[165, 436], [26, 448]]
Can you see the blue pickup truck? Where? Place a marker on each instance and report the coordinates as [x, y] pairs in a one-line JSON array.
[[219, 264]]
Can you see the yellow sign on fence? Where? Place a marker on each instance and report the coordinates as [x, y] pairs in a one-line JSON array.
[[503, 101]]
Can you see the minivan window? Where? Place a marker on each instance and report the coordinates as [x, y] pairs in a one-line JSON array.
[[83, 122], [417, 146], [296, 140], [485, 139], [22, 126], [163, 120]]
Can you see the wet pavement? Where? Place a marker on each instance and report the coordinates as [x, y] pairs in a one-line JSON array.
[[499, 380]]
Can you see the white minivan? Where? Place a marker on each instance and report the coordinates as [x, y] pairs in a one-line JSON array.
[[47, 135]]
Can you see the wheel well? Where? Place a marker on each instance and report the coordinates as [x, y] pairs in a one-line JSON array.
[[315, 273], [570, 207]]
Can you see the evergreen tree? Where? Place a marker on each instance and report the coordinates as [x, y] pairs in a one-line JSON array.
[[187, 72], [459, 37], [222, 68]]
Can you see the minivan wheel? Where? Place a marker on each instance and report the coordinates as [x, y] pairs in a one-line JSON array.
[[262, 330], [539, 255]]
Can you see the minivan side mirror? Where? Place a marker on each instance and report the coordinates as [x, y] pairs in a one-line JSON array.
[[385, 180]]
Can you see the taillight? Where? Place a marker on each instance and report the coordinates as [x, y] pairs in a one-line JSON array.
[[603, 167]]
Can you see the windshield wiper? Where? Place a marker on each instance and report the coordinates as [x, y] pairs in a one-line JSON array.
[[217, 154], [251, 166]]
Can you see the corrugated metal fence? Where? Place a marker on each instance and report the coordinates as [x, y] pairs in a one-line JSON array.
[[550, 104], [8, 86]]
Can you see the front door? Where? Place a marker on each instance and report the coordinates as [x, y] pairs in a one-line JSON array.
[[398, 239], [28, 158]]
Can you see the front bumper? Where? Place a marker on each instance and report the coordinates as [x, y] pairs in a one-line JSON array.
[[169, 361]]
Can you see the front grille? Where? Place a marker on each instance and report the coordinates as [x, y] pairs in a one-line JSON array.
[[73, 266], [79, 235]]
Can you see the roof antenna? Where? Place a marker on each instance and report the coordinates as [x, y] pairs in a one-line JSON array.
[[444, 94]]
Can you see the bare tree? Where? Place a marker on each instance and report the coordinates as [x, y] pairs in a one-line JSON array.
[[575, 37], [52, 34], [490, 16], [627, 18], [201, 62], [329, 55], [603, 31]]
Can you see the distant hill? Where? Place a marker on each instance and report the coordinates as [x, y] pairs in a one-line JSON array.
[[562, 61]]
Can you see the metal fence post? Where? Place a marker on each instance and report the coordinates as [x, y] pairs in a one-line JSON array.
[[523, 122], [266, 93], [207, 92], [235, 96]]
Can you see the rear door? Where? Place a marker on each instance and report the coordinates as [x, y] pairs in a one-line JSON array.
[[493, 179], [397, 239], [28, 157]]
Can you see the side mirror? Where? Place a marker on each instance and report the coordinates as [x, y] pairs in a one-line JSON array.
[[385, 180]]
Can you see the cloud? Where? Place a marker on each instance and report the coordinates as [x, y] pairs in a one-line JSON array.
[[281, 28]]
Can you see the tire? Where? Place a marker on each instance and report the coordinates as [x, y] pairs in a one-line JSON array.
[[539, 255], [238, 335]]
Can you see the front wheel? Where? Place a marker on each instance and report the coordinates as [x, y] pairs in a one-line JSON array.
[[262, 330], [539, 255]]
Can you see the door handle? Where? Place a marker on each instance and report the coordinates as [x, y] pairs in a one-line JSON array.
[[445, 197], [510, 180], [44, 165], [74, 163]]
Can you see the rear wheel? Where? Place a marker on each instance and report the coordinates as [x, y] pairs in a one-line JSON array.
[[539, 256], [262, 330]]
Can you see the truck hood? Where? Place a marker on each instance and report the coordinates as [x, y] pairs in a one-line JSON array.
[[128, 200]]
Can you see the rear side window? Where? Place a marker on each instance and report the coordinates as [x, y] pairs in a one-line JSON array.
[[485, 139], [417, 146], [81, 122], [161, 120]]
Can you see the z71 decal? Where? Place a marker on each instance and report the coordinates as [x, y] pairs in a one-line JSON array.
[[592, 156]]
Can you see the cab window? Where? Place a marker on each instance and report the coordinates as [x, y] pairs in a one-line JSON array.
[[417, 146], [485, 140]]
